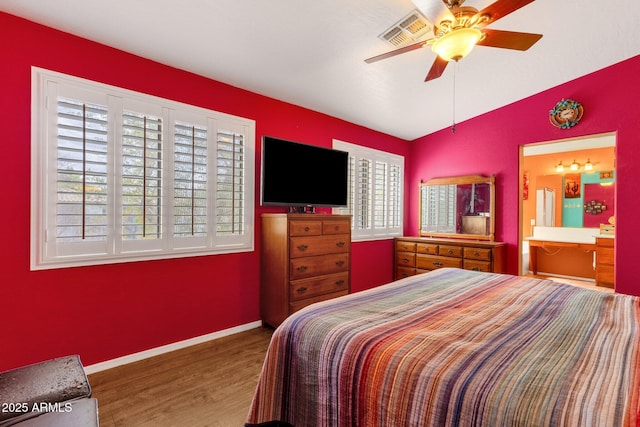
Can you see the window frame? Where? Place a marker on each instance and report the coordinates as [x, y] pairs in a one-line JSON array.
[[364, 229], [46, 253]]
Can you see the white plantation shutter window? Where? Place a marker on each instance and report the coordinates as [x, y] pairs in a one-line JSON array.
[[121, 176], [71, 163], [230, 183], [234, 186], [141, 174], [394, 216], [81, 177], [190, 184], [380, 210], [375, 192], [364, 194], [351, 177]]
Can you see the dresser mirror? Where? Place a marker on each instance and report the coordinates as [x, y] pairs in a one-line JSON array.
[[459, 207]]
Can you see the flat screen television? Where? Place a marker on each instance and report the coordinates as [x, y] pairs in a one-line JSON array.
[[297, 174]]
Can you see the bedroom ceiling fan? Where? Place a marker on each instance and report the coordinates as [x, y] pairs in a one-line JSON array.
[[455, 36]]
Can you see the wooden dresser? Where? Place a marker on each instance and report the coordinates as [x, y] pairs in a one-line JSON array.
[[605, 261], [415, 255], [305, 258]]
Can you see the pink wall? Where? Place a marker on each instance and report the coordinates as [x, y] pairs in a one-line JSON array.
[[489, 144], [104, 312]]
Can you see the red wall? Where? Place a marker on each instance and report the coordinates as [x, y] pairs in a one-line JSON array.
[[488, 144], [103, 312]]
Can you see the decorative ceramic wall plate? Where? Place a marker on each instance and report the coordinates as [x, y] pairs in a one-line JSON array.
[[566, 114]]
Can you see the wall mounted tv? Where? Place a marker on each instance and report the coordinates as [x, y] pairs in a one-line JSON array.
[[296, 174]]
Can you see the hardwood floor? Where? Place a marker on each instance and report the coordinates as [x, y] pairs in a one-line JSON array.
[[210, 384], [574, 282]]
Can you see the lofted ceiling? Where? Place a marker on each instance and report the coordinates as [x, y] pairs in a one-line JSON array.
[[311, 53]]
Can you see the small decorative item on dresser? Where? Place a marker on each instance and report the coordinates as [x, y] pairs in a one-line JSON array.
[[566, 114], [609, 229]]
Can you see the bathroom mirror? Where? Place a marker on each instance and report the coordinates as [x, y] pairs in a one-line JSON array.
[[458, 207]]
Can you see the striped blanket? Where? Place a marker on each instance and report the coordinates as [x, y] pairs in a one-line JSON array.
[[456, 348]]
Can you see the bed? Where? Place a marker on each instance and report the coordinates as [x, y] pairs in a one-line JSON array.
[[456, 348]]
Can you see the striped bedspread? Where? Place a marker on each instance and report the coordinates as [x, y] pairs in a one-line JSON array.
[[456, 348]]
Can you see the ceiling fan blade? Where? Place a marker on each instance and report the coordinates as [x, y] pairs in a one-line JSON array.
[[436, 69], [500, 9], [508, 39], [405, 49]]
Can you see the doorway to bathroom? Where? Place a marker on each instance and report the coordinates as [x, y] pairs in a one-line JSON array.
[[567, 195]]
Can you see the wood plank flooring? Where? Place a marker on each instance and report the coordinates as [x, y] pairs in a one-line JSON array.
[[575, 282], [210, 384]]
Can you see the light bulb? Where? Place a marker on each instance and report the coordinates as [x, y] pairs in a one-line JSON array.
[[588, 166]]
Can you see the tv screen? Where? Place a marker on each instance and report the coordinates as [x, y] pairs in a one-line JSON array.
[[296, 174]]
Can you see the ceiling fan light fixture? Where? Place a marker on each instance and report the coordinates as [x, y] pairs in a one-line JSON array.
[[457, 44]]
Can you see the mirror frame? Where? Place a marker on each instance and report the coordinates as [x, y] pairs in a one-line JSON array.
[[462, 180]]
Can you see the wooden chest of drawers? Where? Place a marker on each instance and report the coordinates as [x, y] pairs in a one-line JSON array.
[[305, 258], [605, 262], [415, 255]]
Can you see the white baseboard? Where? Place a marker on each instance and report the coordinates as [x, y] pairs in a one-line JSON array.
[[135, 357]]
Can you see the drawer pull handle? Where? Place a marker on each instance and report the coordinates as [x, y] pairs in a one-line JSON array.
[[340, 282], [476, 268], [339, 263], [302, 268], [476, 253], [336, 228], [301, 289], [450, 251], [307, 228], [302, 248], [340, 244], [405, 260], [437, 264]]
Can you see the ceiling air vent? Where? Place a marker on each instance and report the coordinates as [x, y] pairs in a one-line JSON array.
[[409, 29], [396, 36]]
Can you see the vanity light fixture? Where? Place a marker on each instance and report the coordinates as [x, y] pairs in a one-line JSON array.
[[574, 166], [559, 167], [588, 166]]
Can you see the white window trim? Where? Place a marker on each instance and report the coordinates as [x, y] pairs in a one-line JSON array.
[[360, 152], [43, 164]]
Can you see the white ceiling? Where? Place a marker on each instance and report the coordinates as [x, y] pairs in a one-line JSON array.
[[311, 53]]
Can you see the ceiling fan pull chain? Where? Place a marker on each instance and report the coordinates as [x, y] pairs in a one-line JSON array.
[[453, 126]]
